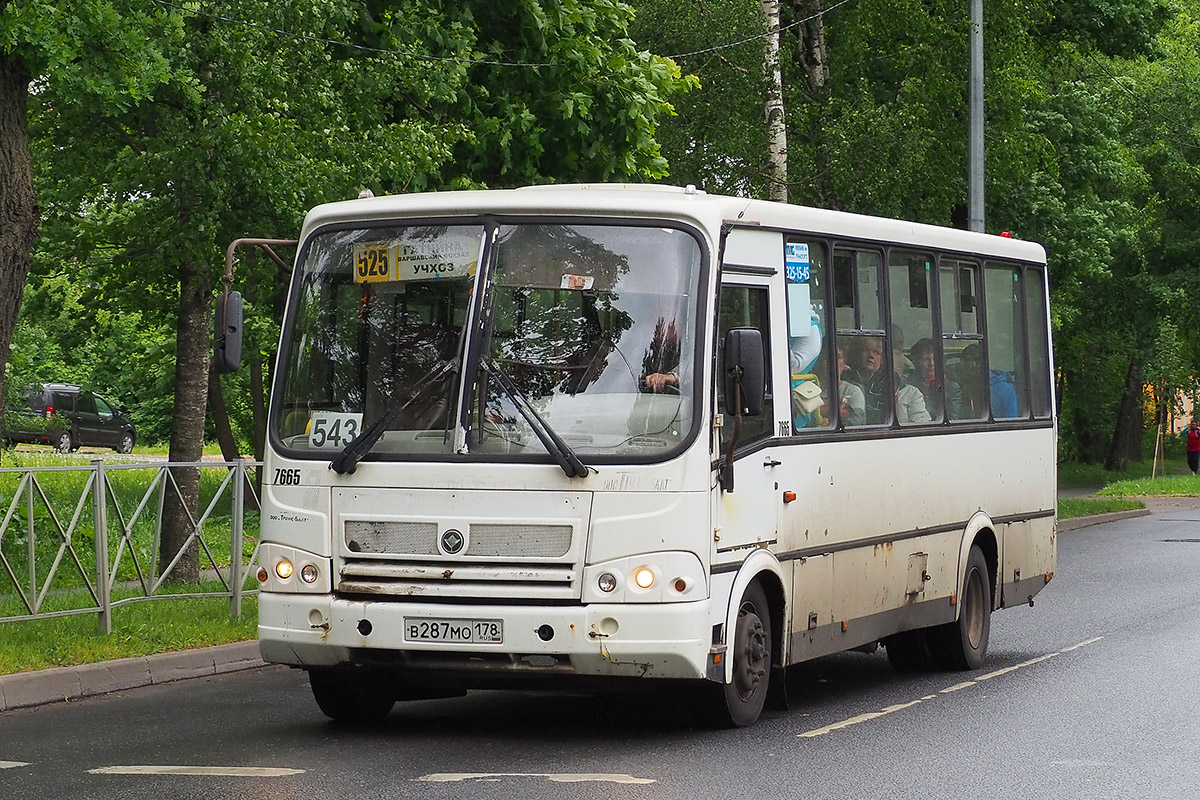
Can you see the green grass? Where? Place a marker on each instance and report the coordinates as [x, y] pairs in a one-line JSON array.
[[1072, 474], [139, 629], [1151, 487], [1071, 507]]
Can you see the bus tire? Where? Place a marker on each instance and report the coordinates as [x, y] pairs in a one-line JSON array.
[[350, 696], [962, 644], [739, 703]]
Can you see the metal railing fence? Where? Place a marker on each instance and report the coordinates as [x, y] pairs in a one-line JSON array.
[[110, 547]]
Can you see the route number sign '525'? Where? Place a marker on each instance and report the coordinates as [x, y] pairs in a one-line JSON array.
[[372, 262]]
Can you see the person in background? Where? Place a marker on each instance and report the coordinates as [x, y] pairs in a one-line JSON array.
[[1193, 446]]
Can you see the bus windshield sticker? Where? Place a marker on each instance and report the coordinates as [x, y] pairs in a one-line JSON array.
[[796, 262], [443, 258], [799, 310], [584, 282], [331, 430]]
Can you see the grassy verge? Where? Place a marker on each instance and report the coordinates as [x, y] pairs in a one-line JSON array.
[[1151, 487], [1071, 507], [1075, 475], [139, 629]]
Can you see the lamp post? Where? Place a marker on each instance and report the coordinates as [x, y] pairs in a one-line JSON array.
[[975, 168]]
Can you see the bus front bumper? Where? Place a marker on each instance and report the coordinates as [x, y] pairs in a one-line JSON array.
[[653, 640]]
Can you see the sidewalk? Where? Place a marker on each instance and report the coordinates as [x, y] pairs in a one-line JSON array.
[[25, 689]]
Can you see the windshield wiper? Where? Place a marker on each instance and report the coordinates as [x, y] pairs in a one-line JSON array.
[[346, 461], [562, 453]]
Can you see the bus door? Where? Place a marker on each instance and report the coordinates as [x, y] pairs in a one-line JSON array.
[[748, 516]]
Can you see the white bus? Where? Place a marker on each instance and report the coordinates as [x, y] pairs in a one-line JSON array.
[[603, 433]]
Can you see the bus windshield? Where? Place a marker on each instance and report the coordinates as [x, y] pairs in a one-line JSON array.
[[592, 328]]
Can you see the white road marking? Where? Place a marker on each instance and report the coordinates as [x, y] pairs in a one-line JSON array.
[[13, 764], [1081, 644], [222, 772], [870, 715], [565, 777]]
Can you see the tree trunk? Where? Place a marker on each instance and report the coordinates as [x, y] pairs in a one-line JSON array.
[[776, 168], [1127, 436], [187, 418], [811, 52], [18, 204]]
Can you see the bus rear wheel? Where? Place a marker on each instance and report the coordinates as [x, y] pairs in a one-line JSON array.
[[351, 696], [739, 703], [962, 644]]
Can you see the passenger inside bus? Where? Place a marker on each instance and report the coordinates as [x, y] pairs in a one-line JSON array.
[[910, 402], [866, 370], [924, 376], [851, 404]]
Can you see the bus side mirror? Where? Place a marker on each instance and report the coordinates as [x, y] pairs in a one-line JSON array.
[[227, 332], [744, 364]]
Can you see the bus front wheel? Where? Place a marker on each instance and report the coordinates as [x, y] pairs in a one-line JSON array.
[[350, 695], [740, 702], [962, 644]]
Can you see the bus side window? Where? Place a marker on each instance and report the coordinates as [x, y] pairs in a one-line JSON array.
[[961, 338], [745, 306], [921, 391], [858, 276], [808, 340], [1006, 342], [1039, 346]]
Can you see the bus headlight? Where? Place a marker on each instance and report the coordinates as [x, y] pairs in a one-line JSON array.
[[291, 570], [671, 576], [643, 577]]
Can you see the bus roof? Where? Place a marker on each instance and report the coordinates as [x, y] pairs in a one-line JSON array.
[[656, 201]]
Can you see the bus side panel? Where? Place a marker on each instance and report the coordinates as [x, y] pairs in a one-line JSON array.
[[1029, 560]]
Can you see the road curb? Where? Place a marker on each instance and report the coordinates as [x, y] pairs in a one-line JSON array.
[[1075, 523], [26, 689]]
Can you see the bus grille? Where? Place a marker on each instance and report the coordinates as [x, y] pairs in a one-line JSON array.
[[485, 540], [511, 561], [458, 580]]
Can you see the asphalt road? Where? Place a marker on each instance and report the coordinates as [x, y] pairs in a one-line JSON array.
[[1093, 693]]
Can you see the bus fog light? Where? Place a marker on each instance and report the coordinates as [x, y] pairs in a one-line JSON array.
[[308, 573], [643, 577], [283, 568], [607, 582]]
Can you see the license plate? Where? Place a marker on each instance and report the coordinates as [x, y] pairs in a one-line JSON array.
[[454, 631]]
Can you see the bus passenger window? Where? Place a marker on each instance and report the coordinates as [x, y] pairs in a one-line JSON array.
[[919, 384], [961, 340], [1039, 344], [808, 350], [1005, 342], [859, 297]]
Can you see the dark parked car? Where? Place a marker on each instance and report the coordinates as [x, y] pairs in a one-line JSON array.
[[68, 417]]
